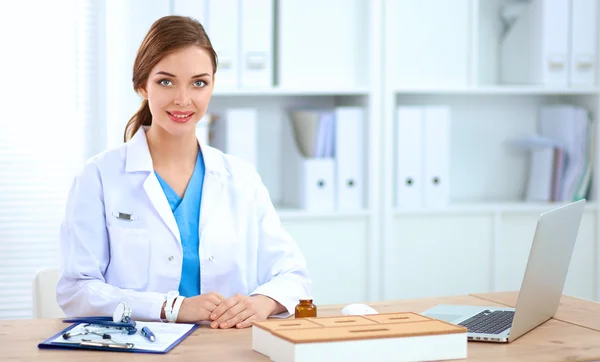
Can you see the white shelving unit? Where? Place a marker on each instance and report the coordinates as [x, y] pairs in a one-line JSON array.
[[296, 92], [338, 244], [509, 90], [480, 241], [307, 73]]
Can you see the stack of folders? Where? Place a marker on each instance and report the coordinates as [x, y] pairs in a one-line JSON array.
[[561, 154], [422, 156], [379, 337], [323, 159], [234, 132], [550, 42]]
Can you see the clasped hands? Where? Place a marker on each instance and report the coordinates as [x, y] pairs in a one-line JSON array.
[[238, 311]]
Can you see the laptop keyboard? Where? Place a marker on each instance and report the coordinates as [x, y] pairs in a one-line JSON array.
[[489, 322]]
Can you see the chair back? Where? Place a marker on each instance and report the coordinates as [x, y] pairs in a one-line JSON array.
[[44, 294]]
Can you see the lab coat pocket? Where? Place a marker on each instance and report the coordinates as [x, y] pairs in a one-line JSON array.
[[129, 257]]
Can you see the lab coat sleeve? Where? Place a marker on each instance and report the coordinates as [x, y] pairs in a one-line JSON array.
[[84, 257], [282, 272]]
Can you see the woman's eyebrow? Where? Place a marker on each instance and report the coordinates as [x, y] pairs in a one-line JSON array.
[[174, 76], [165, 73]]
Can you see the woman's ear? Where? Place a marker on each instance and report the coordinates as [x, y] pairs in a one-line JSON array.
[[143, 93]]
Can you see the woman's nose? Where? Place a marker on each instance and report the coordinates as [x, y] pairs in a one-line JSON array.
[[182, 98]]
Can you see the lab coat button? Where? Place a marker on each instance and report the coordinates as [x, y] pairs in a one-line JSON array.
[[211, 258], [171, 258]]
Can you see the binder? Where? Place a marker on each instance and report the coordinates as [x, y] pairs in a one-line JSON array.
[[325, 134], [308, 181], [349, 157], [436, 132], [564, 124], [314, 190], [584, 37], [235, 133], [196, 9], [546, 164], [168, 335], [541, 175], [256, 21], [223, 31], [535, 50], [409, 157]]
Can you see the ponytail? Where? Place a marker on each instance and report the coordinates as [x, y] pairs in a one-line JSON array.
[[142, 117]]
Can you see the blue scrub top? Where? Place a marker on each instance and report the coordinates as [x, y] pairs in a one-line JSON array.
[[187, 214]]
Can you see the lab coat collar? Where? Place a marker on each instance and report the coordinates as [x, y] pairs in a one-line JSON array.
[[138, 153], [139, 159]]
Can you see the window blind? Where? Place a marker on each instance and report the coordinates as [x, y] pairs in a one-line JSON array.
[[41, 143]]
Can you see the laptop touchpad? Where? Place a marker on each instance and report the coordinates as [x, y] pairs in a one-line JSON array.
[[444, 317]]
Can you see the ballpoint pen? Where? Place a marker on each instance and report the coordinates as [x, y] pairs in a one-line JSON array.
[[146, 332], [111, 344]]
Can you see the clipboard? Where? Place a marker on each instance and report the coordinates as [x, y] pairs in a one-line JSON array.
[[168, 335]]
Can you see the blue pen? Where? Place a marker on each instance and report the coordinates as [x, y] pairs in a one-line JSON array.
[[146, 332]]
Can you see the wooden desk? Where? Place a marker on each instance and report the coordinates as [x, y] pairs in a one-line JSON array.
[[573, 336]]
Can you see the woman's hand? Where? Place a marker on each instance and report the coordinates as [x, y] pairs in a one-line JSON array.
[[240, 311], [198, 308]]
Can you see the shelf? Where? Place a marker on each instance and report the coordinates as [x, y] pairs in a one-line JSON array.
[[474, 208], [501, 90], [287, 214], [359, 91]]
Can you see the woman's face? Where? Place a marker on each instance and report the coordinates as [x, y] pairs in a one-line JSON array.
[[179, 89]]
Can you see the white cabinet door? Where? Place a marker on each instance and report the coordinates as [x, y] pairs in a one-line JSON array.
[[581, 280], [429, 42], [512, 253], [430, 256], [336, 254]]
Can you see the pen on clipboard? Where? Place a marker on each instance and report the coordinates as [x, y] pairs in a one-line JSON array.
[[90, 343], [146, 332]]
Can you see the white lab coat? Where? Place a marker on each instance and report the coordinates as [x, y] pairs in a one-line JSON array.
[[105, 259]]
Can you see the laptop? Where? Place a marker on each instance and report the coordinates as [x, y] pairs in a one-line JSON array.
[[542, 286]]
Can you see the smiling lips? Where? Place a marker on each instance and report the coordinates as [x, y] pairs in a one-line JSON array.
[[180, 117]]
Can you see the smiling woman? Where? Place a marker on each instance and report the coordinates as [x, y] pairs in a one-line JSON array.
[[178, 230]]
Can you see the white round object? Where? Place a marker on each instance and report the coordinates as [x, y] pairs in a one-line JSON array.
[[119, 312], [122, 313]]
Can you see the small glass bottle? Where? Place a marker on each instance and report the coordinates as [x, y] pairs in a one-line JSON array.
[[306, 309]]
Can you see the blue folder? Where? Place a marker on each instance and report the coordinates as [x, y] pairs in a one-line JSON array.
[[48, 344]]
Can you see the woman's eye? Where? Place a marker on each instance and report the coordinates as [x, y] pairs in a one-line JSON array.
[[165, 82], [199, 83]]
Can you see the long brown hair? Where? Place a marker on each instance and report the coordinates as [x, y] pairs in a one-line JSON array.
[[165, 36]]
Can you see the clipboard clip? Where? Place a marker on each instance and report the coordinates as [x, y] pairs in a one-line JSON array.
[[106, 344]]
